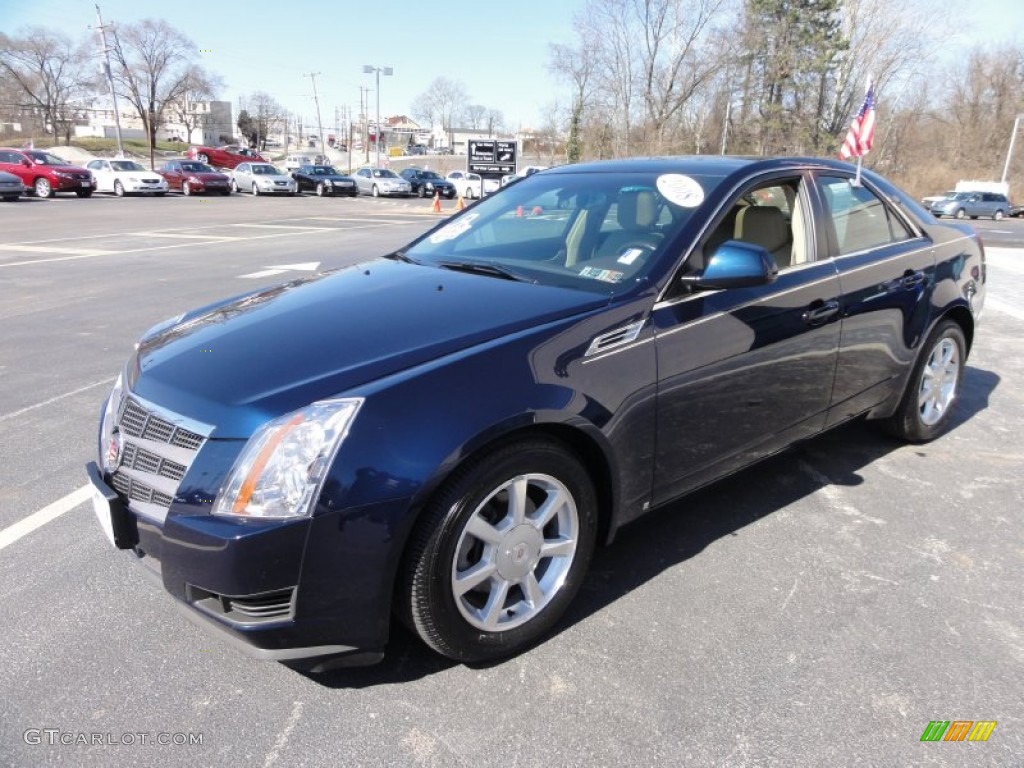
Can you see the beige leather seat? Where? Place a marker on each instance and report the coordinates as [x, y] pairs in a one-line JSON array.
[[636, 213], [765, 225]]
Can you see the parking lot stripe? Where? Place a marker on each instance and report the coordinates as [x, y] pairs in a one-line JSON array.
[[182, 236], [280, 226], [1006, 309], [50, 512], [26, 409], [52, 249]]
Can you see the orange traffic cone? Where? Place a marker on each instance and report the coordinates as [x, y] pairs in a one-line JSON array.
[[460, 204], [437, 202]]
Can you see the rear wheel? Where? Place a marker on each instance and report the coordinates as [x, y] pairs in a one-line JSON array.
[[118, 189], [934, 386], [186, 188], [469, 193], [500, 552], [997, 216], [43, 188]]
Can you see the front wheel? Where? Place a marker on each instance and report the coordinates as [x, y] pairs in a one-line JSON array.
[[234, 186], [960, 213], [997, 216], [43, 188], [255, 191], [186, 189], [118, 189], [934, 386], [321, 190], [500, 552], [469, 193], [375, 192]]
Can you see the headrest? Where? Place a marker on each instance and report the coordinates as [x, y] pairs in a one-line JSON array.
[[762, 225], [637, 209]]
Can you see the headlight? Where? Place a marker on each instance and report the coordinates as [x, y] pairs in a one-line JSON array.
[[279, 472], [430, 185], [109, 452]]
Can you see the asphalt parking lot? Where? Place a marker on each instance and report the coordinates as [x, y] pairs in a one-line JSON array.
[[819, 609]]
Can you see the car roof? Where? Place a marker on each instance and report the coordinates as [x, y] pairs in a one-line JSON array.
[[698, 164]]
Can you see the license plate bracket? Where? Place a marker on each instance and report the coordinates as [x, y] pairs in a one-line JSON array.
[[117, 523]]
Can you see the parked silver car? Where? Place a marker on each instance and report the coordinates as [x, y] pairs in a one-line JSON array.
[[381, 181], [262, 179], [973, 204]]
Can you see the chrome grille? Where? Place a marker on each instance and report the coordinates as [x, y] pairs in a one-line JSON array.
[[155, 455]]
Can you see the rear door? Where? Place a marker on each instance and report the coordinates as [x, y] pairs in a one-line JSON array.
[[886, 271], [745, 372]]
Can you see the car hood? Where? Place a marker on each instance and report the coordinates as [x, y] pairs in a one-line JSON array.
[[204, 176], [255, 357], [270, 177]]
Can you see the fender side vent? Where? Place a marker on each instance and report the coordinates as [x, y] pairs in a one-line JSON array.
[[616, 338]]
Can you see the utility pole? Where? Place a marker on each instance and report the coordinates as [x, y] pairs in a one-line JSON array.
[[364, 96], [316, 100], [110, 80]]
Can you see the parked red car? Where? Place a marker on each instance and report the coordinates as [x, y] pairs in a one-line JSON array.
[[46, 174], [193, 177], [225, 157]]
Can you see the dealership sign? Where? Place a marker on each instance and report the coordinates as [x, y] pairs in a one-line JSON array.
[[490, 157]]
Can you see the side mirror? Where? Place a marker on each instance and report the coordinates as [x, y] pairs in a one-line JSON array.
[[26, 163], [735, 264]]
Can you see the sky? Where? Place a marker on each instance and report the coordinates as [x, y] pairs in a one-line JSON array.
[[498, 51]]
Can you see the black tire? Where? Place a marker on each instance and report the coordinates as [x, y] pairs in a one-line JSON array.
[[11, 198], [421, 191], [226, 192], [186, 189], [83, 192], [960, 213], [255, 190], [233, 186], [440, 542], [161, 194], [118, 189], [42, 188], [998, 216], [918, 422], [321, 190]]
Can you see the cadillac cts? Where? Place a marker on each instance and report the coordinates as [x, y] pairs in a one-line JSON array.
[[444, 433]]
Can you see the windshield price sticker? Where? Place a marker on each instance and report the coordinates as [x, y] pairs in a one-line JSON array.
[[682, 190]]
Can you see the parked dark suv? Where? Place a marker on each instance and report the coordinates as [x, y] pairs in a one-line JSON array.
[[973, 204], [46, 174]]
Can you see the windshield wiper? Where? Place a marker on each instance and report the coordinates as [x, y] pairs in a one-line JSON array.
[[490, 270], [399, 255]]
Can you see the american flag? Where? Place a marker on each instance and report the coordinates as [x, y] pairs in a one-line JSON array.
[[862, 131]]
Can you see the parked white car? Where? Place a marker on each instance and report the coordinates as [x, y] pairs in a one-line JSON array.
[[126, 177], [522, 173], [293, 162], [467, 185], [262, 179]]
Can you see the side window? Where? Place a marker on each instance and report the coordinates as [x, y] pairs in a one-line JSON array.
[[771, 215], [859, 217]]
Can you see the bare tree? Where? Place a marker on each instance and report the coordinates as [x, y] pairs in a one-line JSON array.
[[50, 72], [201, 87], [441, 103], [152, 63], [474, 115], [267, 115]]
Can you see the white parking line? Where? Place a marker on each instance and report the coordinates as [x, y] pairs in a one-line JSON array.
[[51, 249], [281, 226], [50, 512], [1006, 309], [28, 408], [182, 236]]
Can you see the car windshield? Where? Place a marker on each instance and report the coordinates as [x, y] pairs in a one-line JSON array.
[[196, 168], [324, 170], [125, 165], [429, 175], [382, 173], [45, 158], [265, 170], [603, 232], [963, 195]]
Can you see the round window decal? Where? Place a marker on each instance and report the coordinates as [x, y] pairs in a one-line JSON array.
[[682, 190]]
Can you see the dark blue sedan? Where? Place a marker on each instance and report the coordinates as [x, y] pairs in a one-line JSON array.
[[445, 433]]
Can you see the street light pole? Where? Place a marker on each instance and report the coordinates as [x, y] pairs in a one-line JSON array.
[[388, 71], [1009, 152]]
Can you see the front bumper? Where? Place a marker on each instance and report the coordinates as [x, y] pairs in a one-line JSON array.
[[308, 588]]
